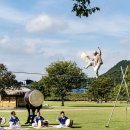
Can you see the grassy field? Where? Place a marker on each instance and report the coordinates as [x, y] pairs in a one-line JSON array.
[[85, 104], [86, 116]]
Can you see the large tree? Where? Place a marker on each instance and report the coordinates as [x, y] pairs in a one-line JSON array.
[[42, 85], [101, 88], [62, 76], [84, 8], [7, 79]]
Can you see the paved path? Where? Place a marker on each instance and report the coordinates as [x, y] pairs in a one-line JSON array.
[[62, 108]]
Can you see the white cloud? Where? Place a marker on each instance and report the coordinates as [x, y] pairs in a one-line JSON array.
[[12, 15], [4, 41], [45, 23], [43, 46], [125, 41], [30, 55], [31, 46], [112, 26]]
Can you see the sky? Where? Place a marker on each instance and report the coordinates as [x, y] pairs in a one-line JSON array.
[[35, 33]]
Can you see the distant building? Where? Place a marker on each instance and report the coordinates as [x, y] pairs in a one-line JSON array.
[[26, 83], [13, 97], [81, 90]]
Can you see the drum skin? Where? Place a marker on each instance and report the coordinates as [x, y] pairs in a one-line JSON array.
[[69, 123], [2, 120], [34, 98]]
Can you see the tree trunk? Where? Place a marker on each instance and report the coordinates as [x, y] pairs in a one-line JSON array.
[[62, 101]]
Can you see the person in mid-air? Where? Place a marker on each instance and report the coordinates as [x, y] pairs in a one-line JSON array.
[[95, 61]]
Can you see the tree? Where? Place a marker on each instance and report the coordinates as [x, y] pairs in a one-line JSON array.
[[7, 79], [123, 95], [42, 85], [101, 88], [62, 77], [83, 8], [115, 72]]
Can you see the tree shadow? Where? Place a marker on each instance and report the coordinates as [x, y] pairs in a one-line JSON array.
[[26, 125], [76, 127]]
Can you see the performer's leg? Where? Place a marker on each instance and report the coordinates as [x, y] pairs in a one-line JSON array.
[[34, 125], [13, 126], [17, 126], [90, 63], [33, 114], [28, 119], [38, 108], [97, 74], [96, 69]]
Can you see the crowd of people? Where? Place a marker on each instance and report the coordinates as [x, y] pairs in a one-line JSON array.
[[40, 121]]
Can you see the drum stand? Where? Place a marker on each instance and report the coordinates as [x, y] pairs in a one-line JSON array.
[[125, 84]]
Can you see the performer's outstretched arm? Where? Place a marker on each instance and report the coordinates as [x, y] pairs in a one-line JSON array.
[[100, 53]]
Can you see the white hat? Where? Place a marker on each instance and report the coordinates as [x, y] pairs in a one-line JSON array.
[[84, 56]]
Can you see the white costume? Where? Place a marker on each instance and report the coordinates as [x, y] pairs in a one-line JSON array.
[[96, 61], [38, 121], [61, 121], [14, 122]]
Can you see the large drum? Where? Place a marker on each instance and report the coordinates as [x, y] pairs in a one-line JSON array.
[[35, 98], [2, 120], [69, 123]]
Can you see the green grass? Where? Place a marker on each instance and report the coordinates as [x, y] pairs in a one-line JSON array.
[[85, 118], [84, 104]]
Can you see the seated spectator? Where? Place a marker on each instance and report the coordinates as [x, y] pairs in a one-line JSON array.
[[39, 121], [2, 121], [64, 121], [14, 121]]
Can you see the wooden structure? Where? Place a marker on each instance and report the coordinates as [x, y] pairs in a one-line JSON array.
[[13, 97]]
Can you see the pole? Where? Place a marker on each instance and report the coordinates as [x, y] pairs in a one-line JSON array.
[[126, 86], [123, 81], [114, 105]]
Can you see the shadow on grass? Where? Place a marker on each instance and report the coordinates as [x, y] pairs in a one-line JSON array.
[[76, 127], [26, 125], [4, 125]]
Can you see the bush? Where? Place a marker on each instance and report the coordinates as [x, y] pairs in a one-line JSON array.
[[71, 96]]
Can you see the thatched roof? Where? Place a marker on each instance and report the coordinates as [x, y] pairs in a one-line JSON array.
[[17, 91]]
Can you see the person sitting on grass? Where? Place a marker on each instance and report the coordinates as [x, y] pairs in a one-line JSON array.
[[14, 121], [64, 121], [39, 121]]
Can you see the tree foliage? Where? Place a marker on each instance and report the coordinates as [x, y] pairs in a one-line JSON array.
[[83, 8], [7, 79], [62, 77], [101, 88], [115, 72], [42, 85]]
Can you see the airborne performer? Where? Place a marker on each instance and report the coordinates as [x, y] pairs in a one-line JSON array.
[[95, 61]]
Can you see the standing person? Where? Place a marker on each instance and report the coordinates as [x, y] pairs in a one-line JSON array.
[[14, 121], [95, 61]]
